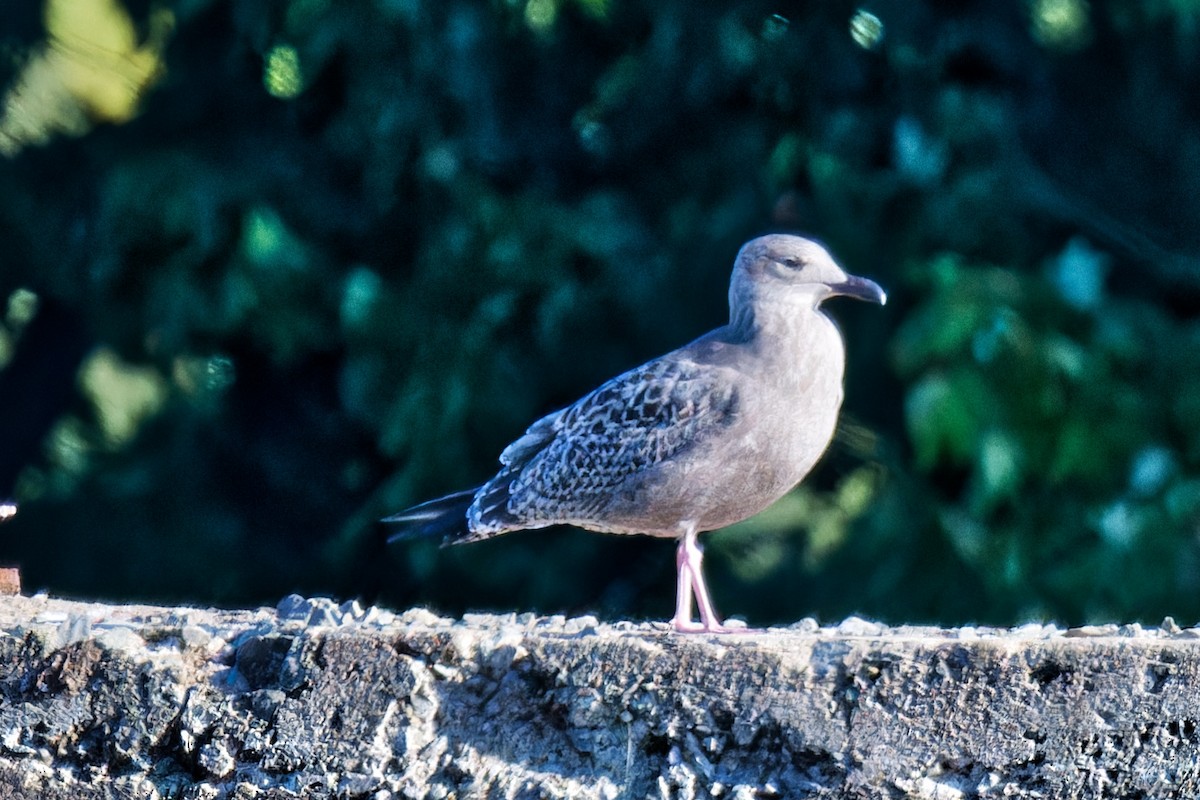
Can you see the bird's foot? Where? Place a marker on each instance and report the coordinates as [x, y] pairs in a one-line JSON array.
[[692, 626]]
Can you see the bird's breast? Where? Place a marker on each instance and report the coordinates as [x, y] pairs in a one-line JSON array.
[[789, 405], [800, 401]]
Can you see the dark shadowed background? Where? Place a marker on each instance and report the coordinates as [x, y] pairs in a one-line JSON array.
[[271, 270]]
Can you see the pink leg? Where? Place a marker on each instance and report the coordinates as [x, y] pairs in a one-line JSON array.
[[683, 591], [691, 581]]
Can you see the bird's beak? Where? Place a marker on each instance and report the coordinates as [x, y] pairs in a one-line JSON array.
[[860, 288]]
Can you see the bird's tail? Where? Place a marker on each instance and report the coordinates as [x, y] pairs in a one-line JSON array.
[[445, 517]]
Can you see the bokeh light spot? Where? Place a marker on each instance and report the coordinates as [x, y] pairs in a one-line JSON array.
[[1119, 525], [866, 29], [123, 394], [203, 377], [1079, 274], [282, 75], [68, 449], [1061, 24], [264, 235], [268, 243], [358, 299], [95, 65], [219, 373], [103, 64], [1153, 467], [540, 15], [22, 306]]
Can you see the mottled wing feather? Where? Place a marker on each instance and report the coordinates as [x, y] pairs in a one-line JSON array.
[[536, 437], [570, 466]]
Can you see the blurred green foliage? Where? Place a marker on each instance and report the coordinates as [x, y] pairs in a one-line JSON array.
[[1076, 480], [275, 268]]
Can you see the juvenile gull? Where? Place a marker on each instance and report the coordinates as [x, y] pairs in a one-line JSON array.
[[701, 438]]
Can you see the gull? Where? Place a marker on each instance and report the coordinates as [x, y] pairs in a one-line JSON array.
[[698, 439]]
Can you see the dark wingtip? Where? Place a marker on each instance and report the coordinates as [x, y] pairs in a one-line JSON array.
[[444, 516]]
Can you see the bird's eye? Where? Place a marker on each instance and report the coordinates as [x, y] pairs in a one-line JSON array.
[[791, 262]]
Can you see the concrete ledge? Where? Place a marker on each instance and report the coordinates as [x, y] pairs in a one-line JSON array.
[[318, 700]]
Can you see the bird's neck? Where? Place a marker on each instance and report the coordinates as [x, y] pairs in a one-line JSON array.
[[784, 320]]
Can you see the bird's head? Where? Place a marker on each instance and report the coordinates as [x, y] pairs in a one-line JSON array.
[[784, 268]]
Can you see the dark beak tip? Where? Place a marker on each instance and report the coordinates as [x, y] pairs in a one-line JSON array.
[[863, 289]]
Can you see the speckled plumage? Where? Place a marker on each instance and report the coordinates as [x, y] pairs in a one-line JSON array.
[[697, 439], [589, 464]]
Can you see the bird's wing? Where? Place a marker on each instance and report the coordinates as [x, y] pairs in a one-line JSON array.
[[536, 437], [569, 465]]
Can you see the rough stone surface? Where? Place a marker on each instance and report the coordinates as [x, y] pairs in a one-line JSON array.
[[316, 699]]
